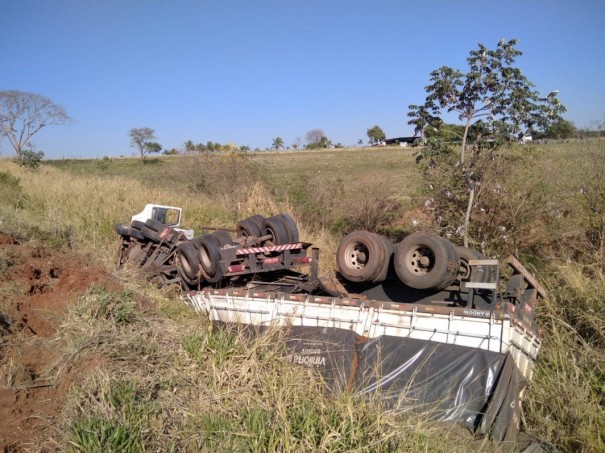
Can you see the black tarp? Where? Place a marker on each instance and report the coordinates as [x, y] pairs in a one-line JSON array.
[[472, 387]]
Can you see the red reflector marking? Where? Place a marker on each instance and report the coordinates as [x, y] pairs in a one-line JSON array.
[[303, 260], [271, 260], [236, 268]]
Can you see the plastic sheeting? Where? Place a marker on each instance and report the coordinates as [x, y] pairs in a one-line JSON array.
[[476, 388]]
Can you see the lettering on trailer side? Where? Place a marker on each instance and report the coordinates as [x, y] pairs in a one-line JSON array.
[[482, 313], [307, 360]]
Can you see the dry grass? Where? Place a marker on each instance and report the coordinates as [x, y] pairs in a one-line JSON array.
[[179, 386]]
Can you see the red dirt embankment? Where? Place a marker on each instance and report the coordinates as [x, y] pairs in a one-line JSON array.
[[37, 284]]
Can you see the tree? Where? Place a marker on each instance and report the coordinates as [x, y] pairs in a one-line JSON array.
[[313, 137], [561, 129], [376, 134], [24, 114], [189, 146], [323, 142], [278, 143], [493, 99], [31, 159], [142, 139]]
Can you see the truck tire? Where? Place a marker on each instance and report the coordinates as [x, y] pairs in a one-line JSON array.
[[188, 260], [248, 228], [360, 256], [223, 237], [186, 282], [388, 258], [122, 229], [155, 225], [425, 261], [137, 224], [274, 226], [291, 228], [151, 234], [210, 258], [480, 274]]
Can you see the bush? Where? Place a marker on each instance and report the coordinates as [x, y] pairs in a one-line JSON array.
[[31, 159], [223, 177]]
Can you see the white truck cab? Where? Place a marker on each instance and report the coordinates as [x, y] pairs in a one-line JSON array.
[[168, 215]]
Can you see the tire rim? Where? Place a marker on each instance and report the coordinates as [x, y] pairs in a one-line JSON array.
[[356, 255], [205, 258], [464, 271], [420, 260], [185, 264]]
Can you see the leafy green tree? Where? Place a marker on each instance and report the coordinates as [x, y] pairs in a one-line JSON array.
[[23, 114], [561, 129], [493, 99], [323, 142], [278, 143], [376, 134], [142, 138], [189, 146], [31, 159], [153, 147]]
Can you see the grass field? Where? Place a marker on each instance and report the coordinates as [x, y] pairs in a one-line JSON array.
[[555, 200]]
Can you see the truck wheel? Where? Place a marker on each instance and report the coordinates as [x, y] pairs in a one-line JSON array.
[[258, 219], [274, 227], [210, 258], [186, 282], [122, 229], [360, 256], [188, 259], [137, 224], [151, 234], [467, 273], [223, 237], [388, 258], [248, 228], [155, 225], [291, 227], [425, 261]]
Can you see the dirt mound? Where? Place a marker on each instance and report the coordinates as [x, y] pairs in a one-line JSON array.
[[37, 284]]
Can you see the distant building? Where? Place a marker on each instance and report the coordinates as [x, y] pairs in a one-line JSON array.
[[401, 141], [526, 139]]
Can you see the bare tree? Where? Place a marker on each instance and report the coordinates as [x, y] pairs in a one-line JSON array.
[[23, 114], [143, 138], [297, 143], [314, 136]]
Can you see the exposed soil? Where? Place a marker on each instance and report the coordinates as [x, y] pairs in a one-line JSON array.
[[37, 284]]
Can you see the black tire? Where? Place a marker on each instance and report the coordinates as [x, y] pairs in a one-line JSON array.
[[274, 226], [155, 225], [210, 257], [360, 256], [137, 224], [122, 229], [248, 228], [388, 258], [258, 219], [223, 237], [151, 234], [291, 228], [134, 233], [425, 261], [189, 260], [187, 283]]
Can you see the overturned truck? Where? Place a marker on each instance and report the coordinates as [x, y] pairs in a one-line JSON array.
[[428, 325]]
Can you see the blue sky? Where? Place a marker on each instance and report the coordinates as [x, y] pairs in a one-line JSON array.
[[249, 71]]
